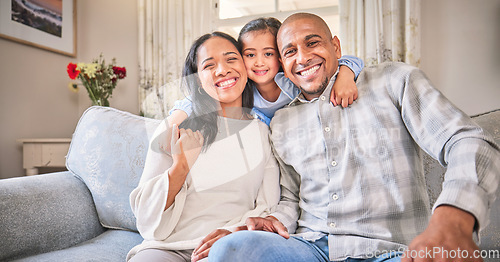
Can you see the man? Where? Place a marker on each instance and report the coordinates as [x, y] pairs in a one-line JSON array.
[[352, 179]]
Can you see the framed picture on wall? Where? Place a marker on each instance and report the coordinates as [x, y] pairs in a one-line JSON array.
[[46, 24]]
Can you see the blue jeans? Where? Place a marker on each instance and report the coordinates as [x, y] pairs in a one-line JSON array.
[[260, 246]]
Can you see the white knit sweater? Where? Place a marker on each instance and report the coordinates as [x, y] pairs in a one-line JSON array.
[[236, 178]]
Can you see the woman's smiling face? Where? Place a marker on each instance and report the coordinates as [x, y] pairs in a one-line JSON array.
[[221, 71]]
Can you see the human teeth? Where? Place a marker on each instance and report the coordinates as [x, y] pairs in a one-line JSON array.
[[227, 82], [309, 71]]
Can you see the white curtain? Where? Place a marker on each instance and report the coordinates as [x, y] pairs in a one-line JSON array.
[[167, 28], [381, 30]]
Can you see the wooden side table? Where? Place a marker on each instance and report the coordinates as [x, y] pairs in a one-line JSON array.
[[41, 152]]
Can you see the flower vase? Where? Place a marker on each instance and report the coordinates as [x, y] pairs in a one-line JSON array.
[[99, 101], [98, 78]]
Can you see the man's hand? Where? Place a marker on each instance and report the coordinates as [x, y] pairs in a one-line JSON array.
[[447, 238], [344, 90], [270, 224]]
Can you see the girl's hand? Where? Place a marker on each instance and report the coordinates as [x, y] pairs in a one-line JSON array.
[[344, 90], [186, 147]]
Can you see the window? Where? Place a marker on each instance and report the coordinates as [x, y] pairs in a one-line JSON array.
[[234, 14]]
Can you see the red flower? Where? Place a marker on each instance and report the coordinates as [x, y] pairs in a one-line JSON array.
[[121, 72], [72, 72]]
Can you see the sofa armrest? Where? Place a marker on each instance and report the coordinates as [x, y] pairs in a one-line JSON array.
[[43, 213]]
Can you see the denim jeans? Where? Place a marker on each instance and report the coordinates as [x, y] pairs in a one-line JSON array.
[[260, 246]]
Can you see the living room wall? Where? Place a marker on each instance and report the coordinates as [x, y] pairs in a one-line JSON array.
[[34, 99], [459, 54]]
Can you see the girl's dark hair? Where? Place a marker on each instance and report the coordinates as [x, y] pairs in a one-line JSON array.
[[263, 23], [205, 110]]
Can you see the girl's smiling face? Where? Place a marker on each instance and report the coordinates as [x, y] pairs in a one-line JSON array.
[[261, 56]]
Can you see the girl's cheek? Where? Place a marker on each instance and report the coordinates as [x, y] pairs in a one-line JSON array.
[[248, 66], [275, 64], [247, 63], [249, 72]]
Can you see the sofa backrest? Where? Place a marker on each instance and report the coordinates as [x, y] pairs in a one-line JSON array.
[[490, 236], [109, 148], [107, 152]]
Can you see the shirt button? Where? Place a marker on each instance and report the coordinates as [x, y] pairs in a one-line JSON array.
[[332, 225], [334, 163], [323, 98], [335, 197], [327, 129]]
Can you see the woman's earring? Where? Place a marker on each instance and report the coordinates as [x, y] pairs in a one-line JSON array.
[[199, 90]]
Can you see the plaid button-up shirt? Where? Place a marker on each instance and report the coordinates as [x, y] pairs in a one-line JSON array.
[[356, 175]]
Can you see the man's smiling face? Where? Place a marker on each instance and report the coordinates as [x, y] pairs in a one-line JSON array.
[[309, 54]]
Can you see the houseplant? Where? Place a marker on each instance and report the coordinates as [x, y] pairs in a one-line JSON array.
[[98, 78]]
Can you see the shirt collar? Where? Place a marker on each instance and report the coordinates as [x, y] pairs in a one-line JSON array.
[[300, 99]]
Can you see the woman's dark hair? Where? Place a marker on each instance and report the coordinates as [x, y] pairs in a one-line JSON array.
[[205, 110]]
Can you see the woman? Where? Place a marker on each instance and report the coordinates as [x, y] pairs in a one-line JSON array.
[[220, 170]]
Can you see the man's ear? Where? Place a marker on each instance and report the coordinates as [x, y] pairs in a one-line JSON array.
[[336, 46]]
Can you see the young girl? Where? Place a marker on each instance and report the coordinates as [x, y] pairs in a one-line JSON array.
[[272, 90]]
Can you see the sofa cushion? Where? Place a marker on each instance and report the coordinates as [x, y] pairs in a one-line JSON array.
[[43, 213], [112, 245], [107, 152]]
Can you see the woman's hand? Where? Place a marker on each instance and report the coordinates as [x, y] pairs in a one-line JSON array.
[[175, 118], [186, 147], [201, 251], [344, 90]]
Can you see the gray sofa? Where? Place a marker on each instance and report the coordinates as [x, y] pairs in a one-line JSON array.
[[83, 214]]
